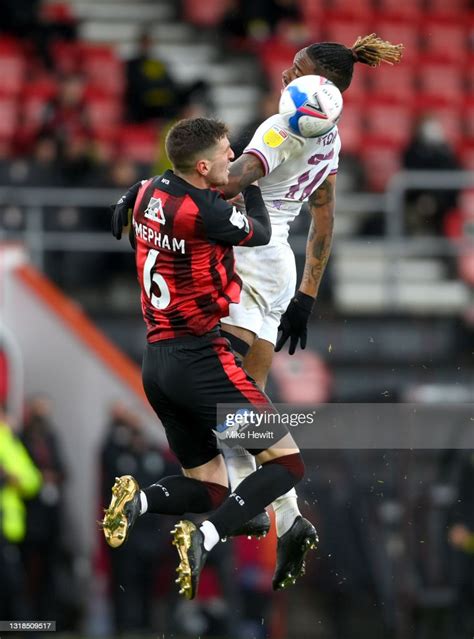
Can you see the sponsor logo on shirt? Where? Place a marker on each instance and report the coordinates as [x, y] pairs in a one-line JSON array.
[[275, 136], [154, 211], [239, 220]]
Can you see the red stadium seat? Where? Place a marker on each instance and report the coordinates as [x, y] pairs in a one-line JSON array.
[[8, 118], [444, 8], [443, 83], [468, 117], [351, 128], [106, 145], [390, 122], [408, 10], [59, 12], [469, 73], [138, 142], [33, 109], [444, 40], [12, 69], [396, 83], [104, 113], [205, 13], [276, 56], [67, 56], [345, 31], [357, 92], [103, 69], [10, 46], [450, 119], [400, 32], [349, 8], [466, 155], [381, 161], [312, 11]]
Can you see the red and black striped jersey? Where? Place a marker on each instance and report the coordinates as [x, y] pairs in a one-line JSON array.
[[184, 256]]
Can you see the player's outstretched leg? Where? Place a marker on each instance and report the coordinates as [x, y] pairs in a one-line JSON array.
[[189, 542], [122, 512], [291, 552]]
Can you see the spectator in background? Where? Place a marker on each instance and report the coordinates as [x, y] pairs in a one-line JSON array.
[[65, 116], [38, 22], [20, 479], [151, 91], [134, 568], [258, 19], [429, 150], [41, 545], [44, 166]]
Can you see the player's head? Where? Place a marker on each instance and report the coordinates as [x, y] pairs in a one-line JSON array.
[[200, 146], [336, 62]]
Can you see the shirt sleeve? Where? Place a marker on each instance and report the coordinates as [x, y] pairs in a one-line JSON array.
[[272, 144]]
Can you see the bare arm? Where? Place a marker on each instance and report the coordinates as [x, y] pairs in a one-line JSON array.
[[243, 172], [318, 247]]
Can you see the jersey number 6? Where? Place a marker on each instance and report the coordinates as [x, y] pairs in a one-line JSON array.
[[158, 301]]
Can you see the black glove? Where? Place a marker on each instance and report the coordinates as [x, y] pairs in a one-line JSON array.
[[294, 322], [120, 214]]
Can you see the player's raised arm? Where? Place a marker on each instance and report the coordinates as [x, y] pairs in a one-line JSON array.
[[226, 223], [247, 169], [318, 247]]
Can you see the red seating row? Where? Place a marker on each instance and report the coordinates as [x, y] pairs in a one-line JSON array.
[[394, 9], [211, 12], [99, 64], [381, 160]]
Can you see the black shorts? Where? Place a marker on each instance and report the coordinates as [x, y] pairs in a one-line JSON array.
[[184, 379]]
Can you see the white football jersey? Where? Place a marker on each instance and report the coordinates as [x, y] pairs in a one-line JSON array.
[[294, 167]]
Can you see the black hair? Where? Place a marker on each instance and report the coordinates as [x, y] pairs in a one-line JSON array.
[[188, 138], [336, 61]]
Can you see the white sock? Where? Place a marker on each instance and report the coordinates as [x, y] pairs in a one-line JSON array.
[[211, 536], [143, 502], [286, 511], [240, 464]]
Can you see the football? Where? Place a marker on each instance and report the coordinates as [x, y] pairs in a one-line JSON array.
[[312, 105]]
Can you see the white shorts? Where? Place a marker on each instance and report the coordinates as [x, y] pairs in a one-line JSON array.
[[269, 279]]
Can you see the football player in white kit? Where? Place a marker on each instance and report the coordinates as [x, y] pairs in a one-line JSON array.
[[290, 170]]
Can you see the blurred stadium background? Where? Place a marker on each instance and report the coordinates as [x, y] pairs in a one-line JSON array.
[[88, 89]]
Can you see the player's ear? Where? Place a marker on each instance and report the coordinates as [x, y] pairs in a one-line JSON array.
[[203, 167]]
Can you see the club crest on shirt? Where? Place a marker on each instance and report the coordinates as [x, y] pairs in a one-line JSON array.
[[154, 211], [239, 220], [275, 136]]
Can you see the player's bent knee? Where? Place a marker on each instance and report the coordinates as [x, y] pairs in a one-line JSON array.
[[294, 464]]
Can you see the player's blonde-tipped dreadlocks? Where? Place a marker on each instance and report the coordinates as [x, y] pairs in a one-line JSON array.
[[372, 50], [336, 61]]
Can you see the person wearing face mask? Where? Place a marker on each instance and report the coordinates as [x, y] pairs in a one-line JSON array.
[[429, 150]]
